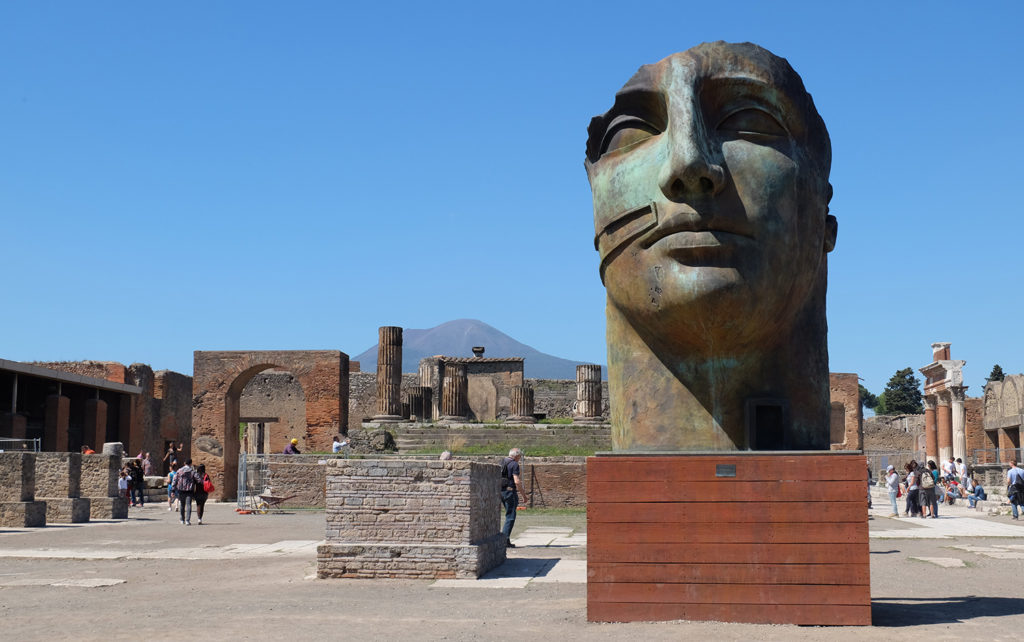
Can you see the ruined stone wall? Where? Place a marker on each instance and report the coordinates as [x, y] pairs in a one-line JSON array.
[[556, 397], [275, 395], [17, 477], [555, 485], [172, 414], [99, 475], [362, 400], [58, 474], [299, 475], [109, 370], [844, 395], [893, 432], [411, 519]]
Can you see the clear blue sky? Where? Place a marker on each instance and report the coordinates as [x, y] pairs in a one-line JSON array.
[[255, 175]]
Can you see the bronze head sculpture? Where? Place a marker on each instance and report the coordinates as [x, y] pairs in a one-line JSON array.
[[710, 183]]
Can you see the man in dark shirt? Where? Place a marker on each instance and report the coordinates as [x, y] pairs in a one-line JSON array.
[[292, 448], [511, 486]]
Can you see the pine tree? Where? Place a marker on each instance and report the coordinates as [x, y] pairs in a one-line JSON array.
[[867, 399], [996, 374], [902, 395]]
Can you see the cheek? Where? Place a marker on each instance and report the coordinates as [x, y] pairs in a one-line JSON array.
[[766, 181], [623, 182]]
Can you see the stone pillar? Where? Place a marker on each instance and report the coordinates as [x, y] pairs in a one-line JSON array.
[[389, 374], [959, 416], [99, 485], [58, 483], [588, 394], [419, 403], [522, 405], [931, 439], [95, 428], [18, 506], [453, 393], [944, 426], [55, 428]]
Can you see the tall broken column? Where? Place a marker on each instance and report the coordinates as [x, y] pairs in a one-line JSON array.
[[931, 435], [959, 420], [944, 424], [453, 392], [522, 405], [18, 505], [588, 394], [389, 374], [59, 483]]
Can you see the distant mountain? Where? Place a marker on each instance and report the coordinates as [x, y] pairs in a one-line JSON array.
[[457, 339]]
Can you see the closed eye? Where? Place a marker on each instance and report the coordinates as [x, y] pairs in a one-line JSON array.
[[626, 131], [752, 122]]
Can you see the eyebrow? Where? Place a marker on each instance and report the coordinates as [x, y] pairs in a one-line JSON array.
[[776, 93], [634, 98]]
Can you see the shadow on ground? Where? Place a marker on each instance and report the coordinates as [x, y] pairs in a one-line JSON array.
[[915, 611]]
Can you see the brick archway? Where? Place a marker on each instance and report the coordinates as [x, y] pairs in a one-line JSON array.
[[217, 383]]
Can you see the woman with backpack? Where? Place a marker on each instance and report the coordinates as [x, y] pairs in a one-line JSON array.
[[201, 494], [185, 484]]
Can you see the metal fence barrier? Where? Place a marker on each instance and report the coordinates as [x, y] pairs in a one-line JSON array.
[[879, 460], [254, 477], [13, 445]]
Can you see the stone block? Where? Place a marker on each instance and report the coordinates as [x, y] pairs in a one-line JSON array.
[[23, 514], [17, 477], [99, 475], [67, 510], [108, 507], [58, 475]]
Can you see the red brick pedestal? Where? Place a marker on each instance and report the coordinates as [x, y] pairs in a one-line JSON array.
[[759, 537]]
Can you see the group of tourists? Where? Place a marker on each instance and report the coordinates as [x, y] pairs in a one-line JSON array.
[[131, 482], [926, 486], [185, 485]]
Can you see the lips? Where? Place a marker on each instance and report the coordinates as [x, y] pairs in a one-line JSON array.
[[686, 229]]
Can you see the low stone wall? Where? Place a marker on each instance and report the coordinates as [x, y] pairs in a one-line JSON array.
[[305, 478], [412, 519], [18, 507], [555, 485], [58, 483], [99, 485]]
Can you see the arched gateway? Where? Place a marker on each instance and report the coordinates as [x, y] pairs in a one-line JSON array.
[[217, 383]]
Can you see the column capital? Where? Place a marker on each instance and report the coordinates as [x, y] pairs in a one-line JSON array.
[[942, 397], [958, 393], [929, 402]]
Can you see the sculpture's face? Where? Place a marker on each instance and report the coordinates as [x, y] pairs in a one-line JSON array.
[[710, 188]]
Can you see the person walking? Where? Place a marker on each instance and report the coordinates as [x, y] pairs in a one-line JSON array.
[[511, 486], [929, 480], [185, 484], [892, 483], [171, 493], [913, 474], [138, 484], [201, 494], [1015, 487]]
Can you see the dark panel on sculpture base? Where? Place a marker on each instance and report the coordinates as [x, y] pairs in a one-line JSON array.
[[782, 540]]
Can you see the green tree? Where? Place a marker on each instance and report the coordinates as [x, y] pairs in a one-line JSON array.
[[996, 374], [867, 400], [902, 395]]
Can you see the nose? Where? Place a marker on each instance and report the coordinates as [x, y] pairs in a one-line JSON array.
[[689, 171]]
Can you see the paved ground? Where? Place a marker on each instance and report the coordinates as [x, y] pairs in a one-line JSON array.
[[252, 577]]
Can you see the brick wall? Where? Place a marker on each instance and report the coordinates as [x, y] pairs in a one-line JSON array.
[[413, 519], [362, 400], [556, 397], [555, 485], [270, 395], [844, 395], [893, 432]]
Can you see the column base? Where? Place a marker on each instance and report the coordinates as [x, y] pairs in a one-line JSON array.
[[23, 514], [388, 419], [772, 538]]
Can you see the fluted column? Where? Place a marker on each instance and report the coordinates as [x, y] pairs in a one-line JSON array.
[[420, 399], [944, 426], [931, 439], [389, 374], [453, 392], [959, 416], [588, 394], [522, 405]]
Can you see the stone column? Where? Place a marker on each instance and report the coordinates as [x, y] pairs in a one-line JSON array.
[[944, 425], [453, 392], [522, 405], [55, 427], [419, 403], [95, 428], [588, 394], [959, 416], [389, 374], [931, 439]]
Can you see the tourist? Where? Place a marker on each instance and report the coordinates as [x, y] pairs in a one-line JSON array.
[[338, 444], [138, 484], [1015, 487], [953, 491], [913, 508], [185, 484], [292, 448], [86, 450], [147, 465], [949, 468], [200, 492], [961, 472], [511, 486], [976, 492], [122, 483], [171, 494], [171, 457], [928, 496], [892, 482]]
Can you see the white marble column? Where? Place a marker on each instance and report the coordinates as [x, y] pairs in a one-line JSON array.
[[959, 421]]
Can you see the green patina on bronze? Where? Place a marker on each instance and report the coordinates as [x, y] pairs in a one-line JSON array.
[[710, 183]]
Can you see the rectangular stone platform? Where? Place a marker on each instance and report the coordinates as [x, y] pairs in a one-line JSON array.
[[17, 477], [108, 507], [779, 538], [67, 510], [411, 519], [23, 514]]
